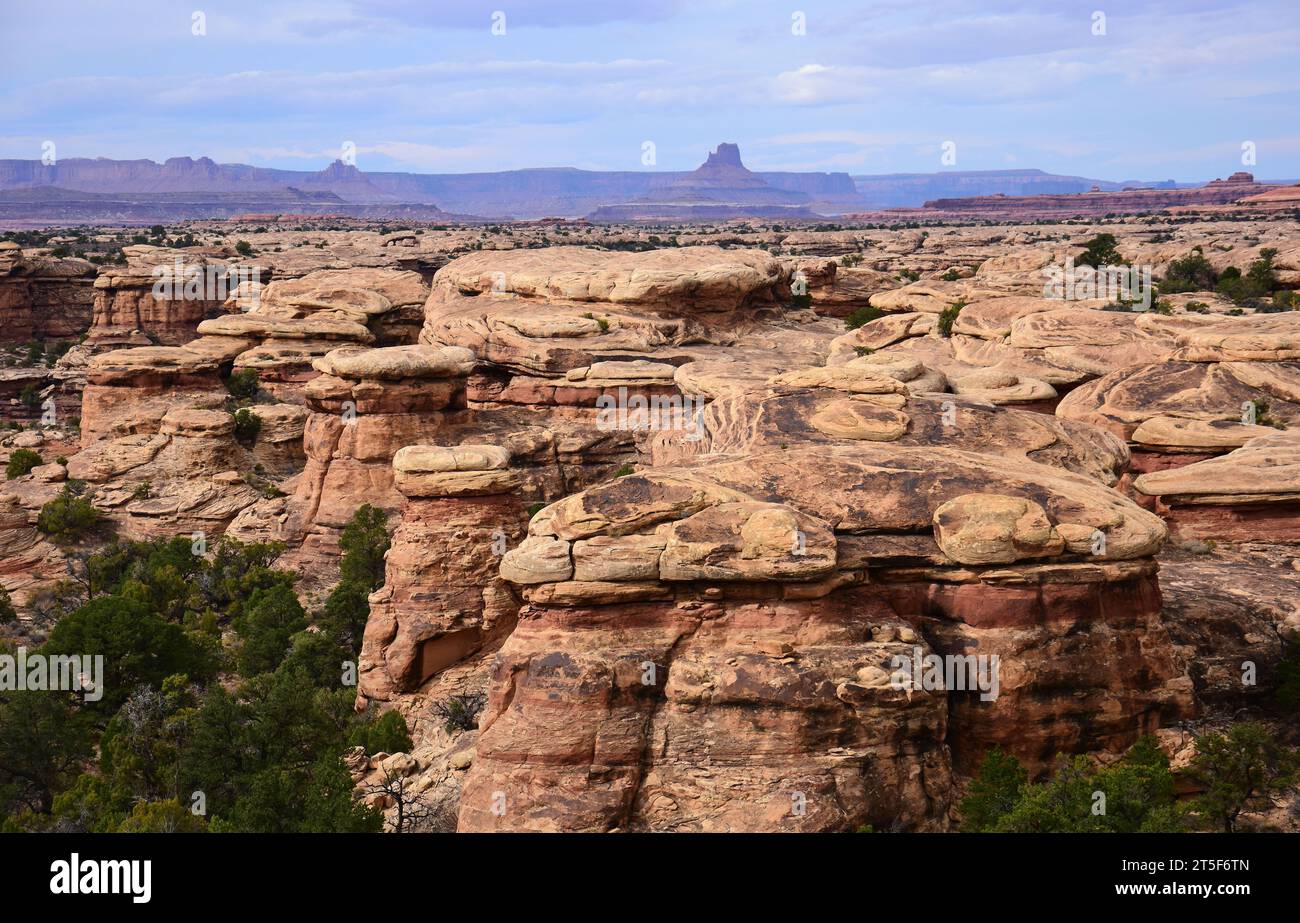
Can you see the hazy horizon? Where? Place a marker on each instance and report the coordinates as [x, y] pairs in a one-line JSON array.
[[1154, 91]]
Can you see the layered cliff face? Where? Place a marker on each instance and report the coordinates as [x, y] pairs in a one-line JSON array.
[[362, 407], [442, 599], [766, 597], [160, 297], [44, 298], [128, 391]]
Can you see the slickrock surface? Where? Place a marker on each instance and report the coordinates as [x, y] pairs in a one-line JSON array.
[[293, 322], [868, 400], [1041, 340], [1216, 369], [539, 315], [1251, 493], [1231, 385]]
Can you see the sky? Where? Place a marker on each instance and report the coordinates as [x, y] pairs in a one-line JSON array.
[[1150, 91]]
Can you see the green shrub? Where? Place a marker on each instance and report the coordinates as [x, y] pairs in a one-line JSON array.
[[243, 248], [7, 611], [1193, 273], [948, 316], [386, 734], [138, 646], [22, 461], [272, 618], [243, 384], [1135, 794], [30, 396], [1288, 678], [993, 792], [68, 517], [364, 542], [863, 315], [1100, 251], [247, 425], [1239, 772]]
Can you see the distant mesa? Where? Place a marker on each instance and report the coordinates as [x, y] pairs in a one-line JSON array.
[[99, 190], [720, 188]]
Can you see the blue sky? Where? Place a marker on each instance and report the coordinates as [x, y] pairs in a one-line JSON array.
[[1171, 90]]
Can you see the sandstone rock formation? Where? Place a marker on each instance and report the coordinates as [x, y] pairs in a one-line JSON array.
[[693, 540], [362, 407], [43, 298], [1228, 384], [747, 590], [1250, 494], [128, 391], [442, 600], [280, 328], [129, 311]]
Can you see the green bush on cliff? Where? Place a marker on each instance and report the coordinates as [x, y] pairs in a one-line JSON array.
[[22, 461], [68, 517]]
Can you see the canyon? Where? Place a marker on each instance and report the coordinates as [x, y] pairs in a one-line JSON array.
[[833, 447]]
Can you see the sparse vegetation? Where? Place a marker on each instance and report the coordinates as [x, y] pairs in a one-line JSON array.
[[21, 462], [460, 712], [69, 517], [1236, 771], [1192, 273], [862, 316], [1100, 251], [247, 425], [948, 316], [1263, 417], [243, 385]]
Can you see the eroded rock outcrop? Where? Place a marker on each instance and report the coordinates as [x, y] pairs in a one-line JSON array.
[[765, 598], [281, 328], [1250, 494], [129, 391], [43, 298], [159, 296], [442, 600], [1230, 384], [362, 407]]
